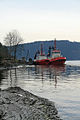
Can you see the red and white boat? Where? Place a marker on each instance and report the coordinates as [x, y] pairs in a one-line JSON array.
[[54, 59], [40, 58]]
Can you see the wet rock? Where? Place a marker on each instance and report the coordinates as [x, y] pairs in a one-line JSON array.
[[17, 104], [1, 114]]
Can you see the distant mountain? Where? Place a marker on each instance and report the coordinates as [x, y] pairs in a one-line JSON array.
[[71, 50]]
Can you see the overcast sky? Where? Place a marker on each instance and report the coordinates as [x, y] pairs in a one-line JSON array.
[[41, 19]]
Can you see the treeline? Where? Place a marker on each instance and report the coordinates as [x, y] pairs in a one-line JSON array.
[[8, 53], [3, 52]]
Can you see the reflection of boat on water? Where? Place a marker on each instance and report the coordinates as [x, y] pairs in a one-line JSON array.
[[49, 72], [54, 59], [52, 68]]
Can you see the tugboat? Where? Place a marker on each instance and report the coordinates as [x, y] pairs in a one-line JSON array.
[[54, 59], [40, 58], [57, 58]]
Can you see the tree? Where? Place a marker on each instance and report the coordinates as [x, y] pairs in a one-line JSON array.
[[3, 52], [12, 40]]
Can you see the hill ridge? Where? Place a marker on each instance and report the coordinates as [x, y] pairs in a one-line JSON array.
[[71, 50]]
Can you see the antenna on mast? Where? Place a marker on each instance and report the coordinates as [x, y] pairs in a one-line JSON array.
[[55, 44]]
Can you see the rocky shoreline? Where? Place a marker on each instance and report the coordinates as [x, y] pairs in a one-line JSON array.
[[17, 104]]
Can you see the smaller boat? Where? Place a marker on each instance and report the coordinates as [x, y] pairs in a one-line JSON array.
[[54, 59], [40, 58]]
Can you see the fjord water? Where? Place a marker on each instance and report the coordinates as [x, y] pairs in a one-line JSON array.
[[60, 84]]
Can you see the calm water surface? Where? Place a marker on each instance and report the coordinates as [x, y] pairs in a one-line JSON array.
[[60, 84]]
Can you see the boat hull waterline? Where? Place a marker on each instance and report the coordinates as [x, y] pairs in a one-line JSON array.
[[53, 61]]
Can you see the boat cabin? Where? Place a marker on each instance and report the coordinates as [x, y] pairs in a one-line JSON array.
[[56, 53], [41, 57]]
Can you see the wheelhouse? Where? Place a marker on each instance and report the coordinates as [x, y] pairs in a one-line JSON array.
[[56, 53]]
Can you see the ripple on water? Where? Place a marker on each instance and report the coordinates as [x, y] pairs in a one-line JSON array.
[[60, 84]]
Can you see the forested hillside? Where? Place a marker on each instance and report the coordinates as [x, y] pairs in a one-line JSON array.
[[71, 50]]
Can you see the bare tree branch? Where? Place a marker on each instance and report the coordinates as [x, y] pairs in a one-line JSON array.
[[13, 39]]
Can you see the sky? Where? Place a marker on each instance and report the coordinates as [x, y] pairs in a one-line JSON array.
[[38, 20]]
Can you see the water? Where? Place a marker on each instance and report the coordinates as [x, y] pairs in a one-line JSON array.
[[60, 84]]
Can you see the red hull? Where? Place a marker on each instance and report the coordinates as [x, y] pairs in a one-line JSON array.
[[53, 61], [59, 60]]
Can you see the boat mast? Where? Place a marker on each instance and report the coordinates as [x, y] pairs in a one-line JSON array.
[[55, 44], [41, 50]]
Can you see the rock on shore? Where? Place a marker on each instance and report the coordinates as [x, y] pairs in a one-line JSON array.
[[17, 104]]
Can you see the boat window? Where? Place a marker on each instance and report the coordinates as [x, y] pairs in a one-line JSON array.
[[56, 52]]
